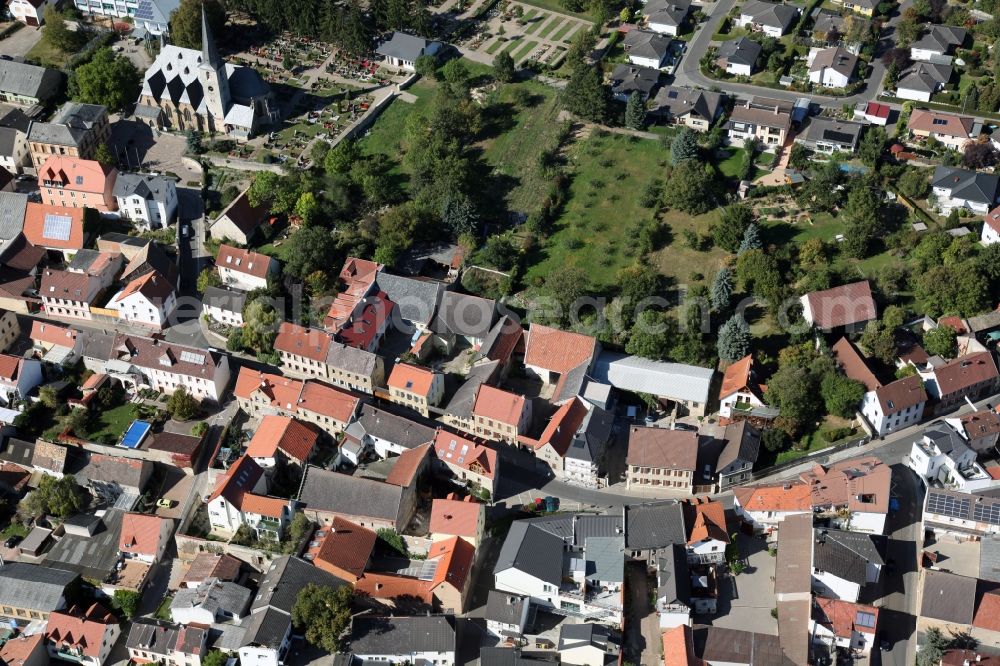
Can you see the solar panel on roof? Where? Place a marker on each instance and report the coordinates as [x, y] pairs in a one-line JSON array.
[[144, 12], [191, 357], [865, 619], [947, 505], [57, 227], [986, 513]]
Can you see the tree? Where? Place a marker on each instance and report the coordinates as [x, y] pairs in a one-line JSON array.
[[690, 188], [392, 539], [126, 602], [864, 225], [57, 34], [49, 396], [872, 145], [952, 289], [260, 325], [504, 69], [585, 94], [722, 289], [793, 390], [734, 339], [500, 252], [841, 395], [208, 278], [758, 273], [684, 147], [426, 66], [934, 647], [878, 341], [751, 239], [566, 285], [652, 336], [979, 155], [342, 157], [914, 184], [459, 215], [734, 220], [635, 112], [941, 341], [215, 658], [108, 79], [59, 497], [104, 156], [306, 208], [775, 440], [323, 613], [185, 22], [635, 284], [310, 249], [182, 405]]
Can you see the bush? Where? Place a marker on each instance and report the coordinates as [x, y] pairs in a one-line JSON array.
[[837, 433]]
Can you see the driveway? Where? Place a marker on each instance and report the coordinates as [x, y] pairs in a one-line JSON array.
[[746, 600], [20, 42], [642, 626]]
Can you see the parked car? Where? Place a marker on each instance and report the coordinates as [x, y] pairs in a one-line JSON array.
[[12, 541], [165, 503]]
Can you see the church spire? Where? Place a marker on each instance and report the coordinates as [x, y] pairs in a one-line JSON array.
[[209, 54]]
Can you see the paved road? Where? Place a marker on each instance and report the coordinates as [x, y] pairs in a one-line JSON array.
[[689, 73]]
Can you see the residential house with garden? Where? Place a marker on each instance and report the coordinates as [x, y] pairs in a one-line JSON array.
[[666, 16], [956, 188], [848, 306], [738, 56], [829, 135], [769, 125], [894, 406], [950, 130], [741, 395], [244, 269], [922, 80], [831, 67], [938, 43], [646, 48], [773, 19], [694, 109]]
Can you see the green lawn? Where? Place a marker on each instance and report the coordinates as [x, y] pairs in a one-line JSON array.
[[110, 425], [512, 44], [386, 134], [561, 32], [594, 232], [47, 56], [730, 167], [495, 46], [553, 22], [556, 6], [524, 50], [163, 610], [536, 23]]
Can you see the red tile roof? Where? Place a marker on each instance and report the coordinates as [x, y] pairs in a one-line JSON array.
[[281, 433], [955, 323], [403, 472], [357, 278], [901, 394], [237, 481], [499, 405], [309, 343], [556, 350], [9, 367], [853, 364], [140, 534], [737, 377], [282, 391], [243, 261], [15, 651], [362, 329], [78, 287], [842, 616], [937, 122], [993, 219], [344, 545], [82, 631], [52, 334], [780, 497], [153, 286], [860, 484], [662, 448], [212, 565], [466, 453], [987, 614], [678, 647], [391, 586], [705, 520], [411, 378], [965, 371], [980, 424], [455, 559], [842, 306], [75, 174], [327, 400], [34, 226], [262, 505], [561, 427], [292, 395], [455, 517], [877, 110]]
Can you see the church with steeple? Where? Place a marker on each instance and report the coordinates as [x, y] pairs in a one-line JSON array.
[[187, 89]]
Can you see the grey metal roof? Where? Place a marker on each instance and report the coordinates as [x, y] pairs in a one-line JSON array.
[[464, 398], [392, 428], [466, 315], [404, 46], [587, 526], [579, 635], [215, 596], [224, 299], [12, 208], [607, 555], [26, 80], [351, 359], [924, 76], [155, 638], [92, 556], [267, 627], [505, 656], [504, 607], [833, 130], [532, 550], [740, 51], [989, 559], [34, 587], [946, 440], [969, 185], [770, 14], [948, 597], [676, 381], [146, 186], [417, 300], [847, 554], [351, 496], [654, 525], [742, 445], [673, 582], [373, 636], [562, 525], [645, 44]]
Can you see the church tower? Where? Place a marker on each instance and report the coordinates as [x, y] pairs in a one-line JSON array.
[[212, 74]]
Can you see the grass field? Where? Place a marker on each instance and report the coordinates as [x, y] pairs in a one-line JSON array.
[[386, 135], [47, 56], [561, 32], [536, 23], [556, 6], [512, 44], [495, 46], [527, 48], [110, 425], [550, 26]]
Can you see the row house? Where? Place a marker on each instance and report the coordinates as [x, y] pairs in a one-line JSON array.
[[327, 407], [72, 182], [314, 353], [244, 269], [239, 498]]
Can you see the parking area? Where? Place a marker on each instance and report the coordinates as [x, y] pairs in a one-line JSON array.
[[137, 145], [746, 600], [959, 557], [176, 488], [20, 42]]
